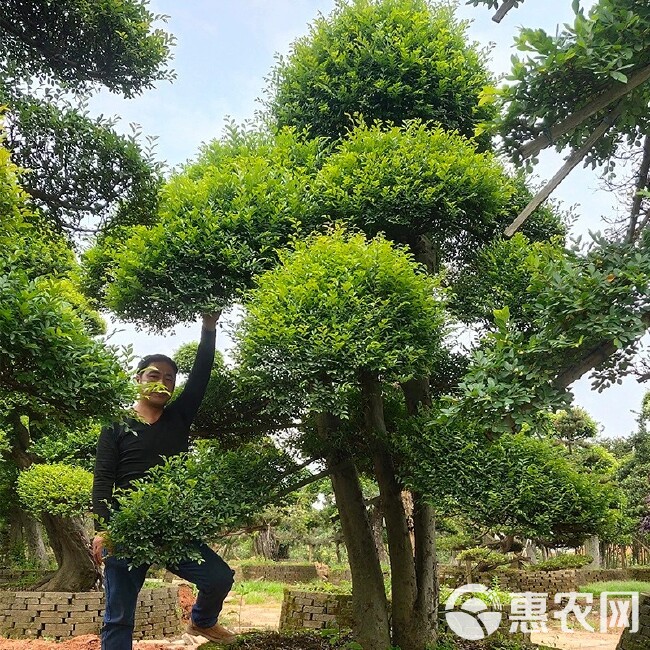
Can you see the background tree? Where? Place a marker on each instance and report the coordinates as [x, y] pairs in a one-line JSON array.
[[52, 55], [47, 330], [574, 426]]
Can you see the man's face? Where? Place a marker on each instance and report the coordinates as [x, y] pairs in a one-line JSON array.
[[157, 382]]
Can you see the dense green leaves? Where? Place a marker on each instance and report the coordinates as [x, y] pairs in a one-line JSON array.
[[570, 305], [74, 446], [196, 497], [59, 490], [388, 60], [220, 223], [109, 42], [413, 181], [519, 484], [339, 305]]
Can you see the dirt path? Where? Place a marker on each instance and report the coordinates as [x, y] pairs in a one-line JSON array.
[[578, 640]]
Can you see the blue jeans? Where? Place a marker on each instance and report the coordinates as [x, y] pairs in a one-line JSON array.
[[213, 577]]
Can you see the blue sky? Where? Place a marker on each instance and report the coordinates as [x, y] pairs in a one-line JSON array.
[[224, 50]]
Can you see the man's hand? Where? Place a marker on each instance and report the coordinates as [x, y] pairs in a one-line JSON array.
[[98, 548], [210, 321]]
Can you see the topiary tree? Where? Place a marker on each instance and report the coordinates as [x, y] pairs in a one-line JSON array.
[[348, 317], [220, 222], [59, 495], [519, 485], [389, 60], [421, 186]]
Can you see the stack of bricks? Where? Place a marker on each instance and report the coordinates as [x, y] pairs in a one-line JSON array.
[[314, 610], [639, 640], [60, 615], [287, 573]]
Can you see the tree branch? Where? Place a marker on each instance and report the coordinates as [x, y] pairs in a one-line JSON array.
[[591, 360], [53, 199], [641, 184], [572, 161], [611, 94], [503, 10]]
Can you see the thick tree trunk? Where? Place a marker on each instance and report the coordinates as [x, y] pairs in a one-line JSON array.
[[400, 552], [369, 604], [425, 614], [71, 546], [266, 543]]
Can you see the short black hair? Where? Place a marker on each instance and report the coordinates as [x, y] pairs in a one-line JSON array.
[[145, 362]]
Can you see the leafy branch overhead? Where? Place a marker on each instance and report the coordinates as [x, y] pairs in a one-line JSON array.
[[562, 77], [53, 55]]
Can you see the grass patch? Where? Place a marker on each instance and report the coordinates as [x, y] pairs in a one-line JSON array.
[[256, 592], [597, 588]]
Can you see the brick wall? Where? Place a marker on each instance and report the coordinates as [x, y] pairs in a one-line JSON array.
[[639, 640], [61, 615], [289, 573], [314, 610], [549, 582]]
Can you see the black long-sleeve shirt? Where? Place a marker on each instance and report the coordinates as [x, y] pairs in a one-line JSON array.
[[126, 450]]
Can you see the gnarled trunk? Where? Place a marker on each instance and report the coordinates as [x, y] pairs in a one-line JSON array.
[[71, 546], [266, 543]]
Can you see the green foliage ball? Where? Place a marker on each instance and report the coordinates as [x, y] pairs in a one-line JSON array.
[[388, 60], [58, 490], [340, 305]]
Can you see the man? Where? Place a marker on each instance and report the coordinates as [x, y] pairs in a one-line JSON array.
[[125, 451]]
